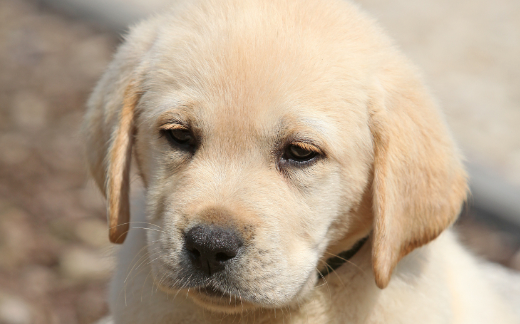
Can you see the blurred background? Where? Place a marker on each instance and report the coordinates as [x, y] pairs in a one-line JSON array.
[[55, 259]]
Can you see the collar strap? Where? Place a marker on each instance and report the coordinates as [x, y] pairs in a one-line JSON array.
[[337, 261]]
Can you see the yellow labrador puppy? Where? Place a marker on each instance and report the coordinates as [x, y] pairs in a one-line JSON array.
[[295, 169]]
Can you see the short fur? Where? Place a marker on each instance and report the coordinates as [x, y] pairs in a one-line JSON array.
[[248, 78]]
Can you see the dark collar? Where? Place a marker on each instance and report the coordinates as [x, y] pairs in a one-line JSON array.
[[337, 261]]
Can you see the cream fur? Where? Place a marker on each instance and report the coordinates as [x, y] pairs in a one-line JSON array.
[[249, 78]]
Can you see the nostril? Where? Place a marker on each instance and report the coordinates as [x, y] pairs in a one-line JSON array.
[[194, 252], [223, 257]]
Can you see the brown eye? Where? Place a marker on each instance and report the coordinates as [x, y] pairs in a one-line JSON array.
[[299, 153], [180, 137]]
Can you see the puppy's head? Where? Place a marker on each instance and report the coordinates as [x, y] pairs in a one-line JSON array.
[[268, 134]]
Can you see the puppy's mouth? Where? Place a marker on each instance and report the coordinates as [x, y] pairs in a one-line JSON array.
[[210, 297], [215, 299]]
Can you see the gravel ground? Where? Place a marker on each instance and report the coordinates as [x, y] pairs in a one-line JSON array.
[[53, 241], [54, 252]]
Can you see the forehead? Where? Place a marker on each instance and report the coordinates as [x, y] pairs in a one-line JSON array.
[[266, 71]]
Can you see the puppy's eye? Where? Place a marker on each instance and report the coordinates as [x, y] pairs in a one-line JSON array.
[[179, 137], [300, 153]]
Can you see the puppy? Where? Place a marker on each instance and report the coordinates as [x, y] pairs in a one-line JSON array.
[[295, 170]]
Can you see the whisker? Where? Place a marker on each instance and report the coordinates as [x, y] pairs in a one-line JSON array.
[[144, 282], [159, 283], [337, 275], [325, 283], [134, 269], [347, 261], [131, 270], [150, 229], [141, 261], [137, 254], [158, 228]]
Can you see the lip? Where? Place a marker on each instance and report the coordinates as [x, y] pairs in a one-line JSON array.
[[208, 295], [205, 292], [217, 300], [211, 297]]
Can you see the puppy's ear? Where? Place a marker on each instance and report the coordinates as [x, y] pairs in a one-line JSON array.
[[419, 182], [109, 124], [118, 176], [109, 146], [109, 131]]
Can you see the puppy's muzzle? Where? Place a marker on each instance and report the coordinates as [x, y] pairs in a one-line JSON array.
[[211, 247]]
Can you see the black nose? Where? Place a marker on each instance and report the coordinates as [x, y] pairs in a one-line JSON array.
[[211, 247]]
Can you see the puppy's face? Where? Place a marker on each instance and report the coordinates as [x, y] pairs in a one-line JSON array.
[[268, 134], [249, 168]]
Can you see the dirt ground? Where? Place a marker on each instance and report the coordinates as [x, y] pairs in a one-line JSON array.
[[53, 244], [54, 252]]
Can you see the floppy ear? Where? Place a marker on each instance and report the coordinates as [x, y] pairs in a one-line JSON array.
[[109, 131], [118, 176], [419, 183], [109, 125], [109, 151]]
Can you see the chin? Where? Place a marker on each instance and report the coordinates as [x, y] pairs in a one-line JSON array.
[[217, 301]]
